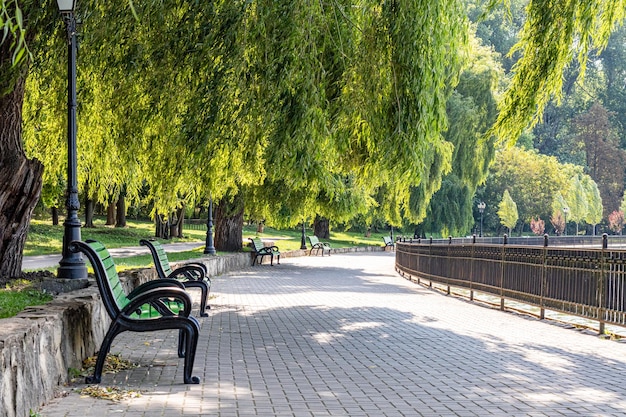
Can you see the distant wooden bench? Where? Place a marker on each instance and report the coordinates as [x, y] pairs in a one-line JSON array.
[[317, 245], [191, 274], [388, 243], [261, 251], [155, 305]]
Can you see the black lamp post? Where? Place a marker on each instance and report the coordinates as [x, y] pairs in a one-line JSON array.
[[565, 211], [303, 237], [72, 264], [481, 210], [209, 249]]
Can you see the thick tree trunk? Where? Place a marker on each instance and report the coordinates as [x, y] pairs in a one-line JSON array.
[[54, 211], [121, 212], [181, 221], [89, 206], [161, 227], [111, 214], [229, 224], [321, 228], [173, 221], [20, 181]]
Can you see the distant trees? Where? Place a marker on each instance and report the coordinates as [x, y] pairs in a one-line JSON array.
[[537, 226], [541, 186], [616, 221], [605, 158], [507, 211]]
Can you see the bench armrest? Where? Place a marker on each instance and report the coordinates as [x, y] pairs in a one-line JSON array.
[[268, 249], [192, 272], [154, 297], [156, 283]]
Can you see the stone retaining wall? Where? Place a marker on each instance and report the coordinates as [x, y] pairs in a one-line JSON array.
[[40, 345]]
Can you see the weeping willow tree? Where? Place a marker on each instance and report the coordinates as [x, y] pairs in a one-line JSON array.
[[309, 98]]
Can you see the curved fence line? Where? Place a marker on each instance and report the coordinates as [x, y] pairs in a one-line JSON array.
[[582, 281]]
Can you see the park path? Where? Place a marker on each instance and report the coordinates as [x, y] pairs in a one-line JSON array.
[[347, 336]]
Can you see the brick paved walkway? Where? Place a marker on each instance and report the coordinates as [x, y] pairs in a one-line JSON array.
[[347, 336]]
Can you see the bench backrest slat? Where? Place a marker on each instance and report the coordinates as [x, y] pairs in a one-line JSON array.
[[258, 244], [163, 260], [111, 288], [314, 240]]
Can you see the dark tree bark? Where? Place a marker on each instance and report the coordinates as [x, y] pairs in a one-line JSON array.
[[181, 221], [161, 227], [321, 228], [121, 212], [229, 224], [89, 208], [89, 211], [111, 214], [54, 211], [173, 222], [20, 177]]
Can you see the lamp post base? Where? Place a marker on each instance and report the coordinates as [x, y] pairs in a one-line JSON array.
[[72, 269]]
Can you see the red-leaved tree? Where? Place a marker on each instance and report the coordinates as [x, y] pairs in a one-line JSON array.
[[616, 221], [538, 226]]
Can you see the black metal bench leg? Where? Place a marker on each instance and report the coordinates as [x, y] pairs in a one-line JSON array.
[[102, 354], [204, 288], [192, 331]]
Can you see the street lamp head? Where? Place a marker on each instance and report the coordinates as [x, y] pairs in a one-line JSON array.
[[66, 6], [565, 209], [481, 206]]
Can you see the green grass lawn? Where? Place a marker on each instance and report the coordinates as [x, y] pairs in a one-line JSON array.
[[17, 295], [45, 239]]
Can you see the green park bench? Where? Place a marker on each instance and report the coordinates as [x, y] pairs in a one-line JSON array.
[[191, 274], [155, 305], [388, 242], [261, 251], [317, 245]]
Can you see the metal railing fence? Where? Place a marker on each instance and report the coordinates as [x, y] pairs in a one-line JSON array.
[[582, 281], [195, 224]]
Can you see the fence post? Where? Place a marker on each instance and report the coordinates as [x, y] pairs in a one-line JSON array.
[[601, 280], [471, 273], [504, 242], [449, 263], [544, 277]]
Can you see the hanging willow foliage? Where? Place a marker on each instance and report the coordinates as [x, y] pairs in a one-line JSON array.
[[555, 32]]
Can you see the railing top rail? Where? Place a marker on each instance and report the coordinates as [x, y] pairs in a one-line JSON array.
[[600, 241]]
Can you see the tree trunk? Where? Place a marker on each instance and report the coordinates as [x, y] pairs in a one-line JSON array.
[[121, 212], [111, 214], [321, 228], [20, 177], [229, 224], [89, 212], [181, 221], [88, 207], [161, 227], [173, 221], [54, 211]]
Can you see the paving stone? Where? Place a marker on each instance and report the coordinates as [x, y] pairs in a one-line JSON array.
[[347, 336]]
